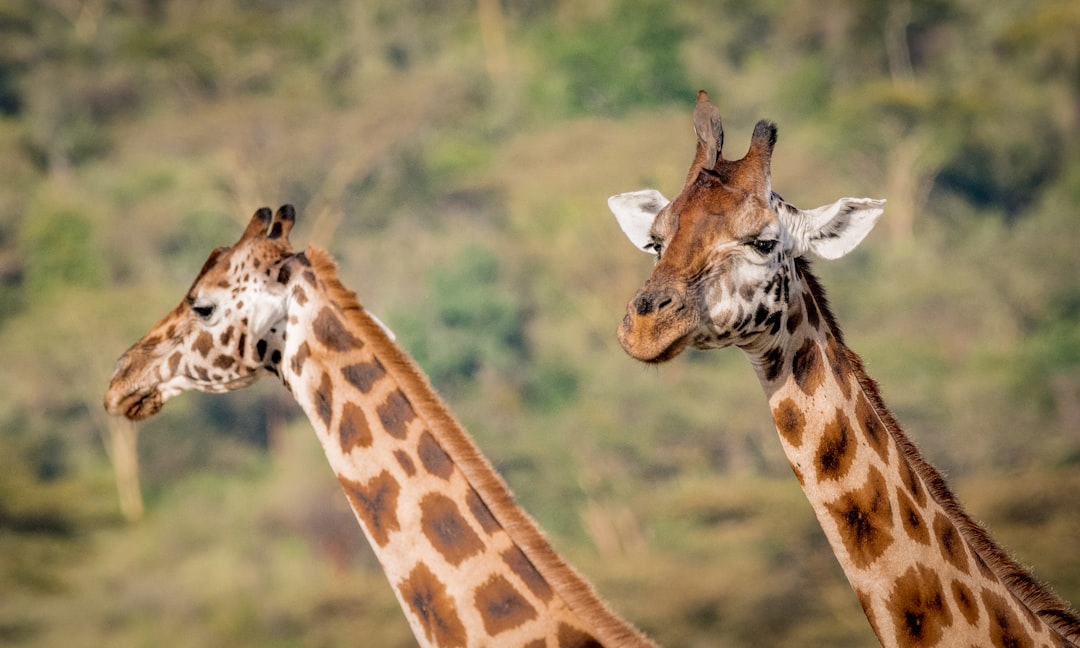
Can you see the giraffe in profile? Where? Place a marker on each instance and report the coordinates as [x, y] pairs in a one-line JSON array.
[[731, 270], [468, 566]]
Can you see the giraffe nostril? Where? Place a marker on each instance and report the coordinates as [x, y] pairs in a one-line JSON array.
[[643, 305], [664, 303]]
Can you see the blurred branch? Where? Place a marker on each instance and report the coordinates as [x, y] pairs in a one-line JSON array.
[[84, 15], [896, 40]]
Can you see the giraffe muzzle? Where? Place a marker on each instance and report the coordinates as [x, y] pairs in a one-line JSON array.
[[135, 405], [658, 325]]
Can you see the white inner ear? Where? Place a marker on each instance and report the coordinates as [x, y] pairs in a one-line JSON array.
[[267, 312], [636, 211], [833, 230]]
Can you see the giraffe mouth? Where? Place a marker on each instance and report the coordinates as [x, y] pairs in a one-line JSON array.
[[652, 344], [137, 405]]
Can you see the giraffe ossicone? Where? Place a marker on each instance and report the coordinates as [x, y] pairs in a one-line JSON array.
[[731, 270], [468, 566]]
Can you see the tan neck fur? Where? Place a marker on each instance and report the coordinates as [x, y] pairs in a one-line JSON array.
[[925, 573], [468, 565]]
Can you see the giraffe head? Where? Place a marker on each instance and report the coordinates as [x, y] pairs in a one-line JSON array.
[[725, 248], [226, 332]]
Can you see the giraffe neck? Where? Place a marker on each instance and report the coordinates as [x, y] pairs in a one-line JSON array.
[[467, 565], [923, 571]]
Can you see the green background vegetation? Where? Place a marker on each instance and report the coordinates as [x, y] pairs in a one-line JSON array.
[[456, 161]]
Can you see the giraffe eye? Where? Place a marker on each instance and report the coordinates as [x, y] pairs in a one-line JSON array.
[[203, 310], [764, 246]]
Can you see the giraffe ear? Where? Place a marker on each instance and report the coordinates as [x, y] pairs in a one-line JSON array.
[[268, 311], [636, 211], [831, 231]]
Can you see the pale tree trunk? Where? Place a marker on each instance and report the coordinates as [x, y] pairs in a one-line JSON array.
[[122, 447], [493, 37], [907, 185]]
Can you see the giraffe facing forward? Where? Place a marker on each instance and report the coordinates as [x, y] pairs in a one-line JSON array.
[[468, 566], [731, 271]]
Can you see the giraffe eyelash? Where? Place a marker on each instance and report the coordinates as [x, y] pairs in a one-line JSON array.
[[764, 246], [203, 309]]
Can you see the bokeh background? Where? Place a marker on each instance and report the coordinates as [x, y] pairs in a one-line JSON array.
[[456, 157]]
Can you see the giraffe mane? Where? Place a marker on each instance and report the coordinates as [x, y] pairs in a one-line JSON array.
[[1035, 594], [456, 442]]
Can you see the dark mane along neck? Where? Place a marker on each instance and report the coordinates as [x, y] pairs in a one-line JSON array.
[[493, 493], [1035, 595]]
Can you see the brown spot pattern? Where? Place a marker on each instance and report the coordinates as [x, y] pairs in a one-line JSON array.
[[864, 519], [324, 400], [353, 431], [223, 361], [481, 512], [790, 422], [836, 452], [872, 428], [919, 609], [838, 361], [913, 483], [395, 414], [537, 643], [447, 530], [330, 332], [203, 343], [299, 296], [501, 606], [174, 362], [911, 519], [772, 363], [376, 504], [434, 458], [951, 543], [298, 360], [807, 368], [406, 462], [571, 637], [1005, 629], [965, 602], [429, 600], [794, 318], [364, 375], [520, 564]]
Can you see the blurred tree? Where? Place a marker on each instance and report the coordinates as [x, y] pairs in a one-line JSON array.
[[614, 63], [470, 323], [61, 251]]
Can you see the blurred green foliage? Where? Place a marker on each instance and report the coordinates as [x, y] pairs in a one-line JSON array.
[[466, 207]]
